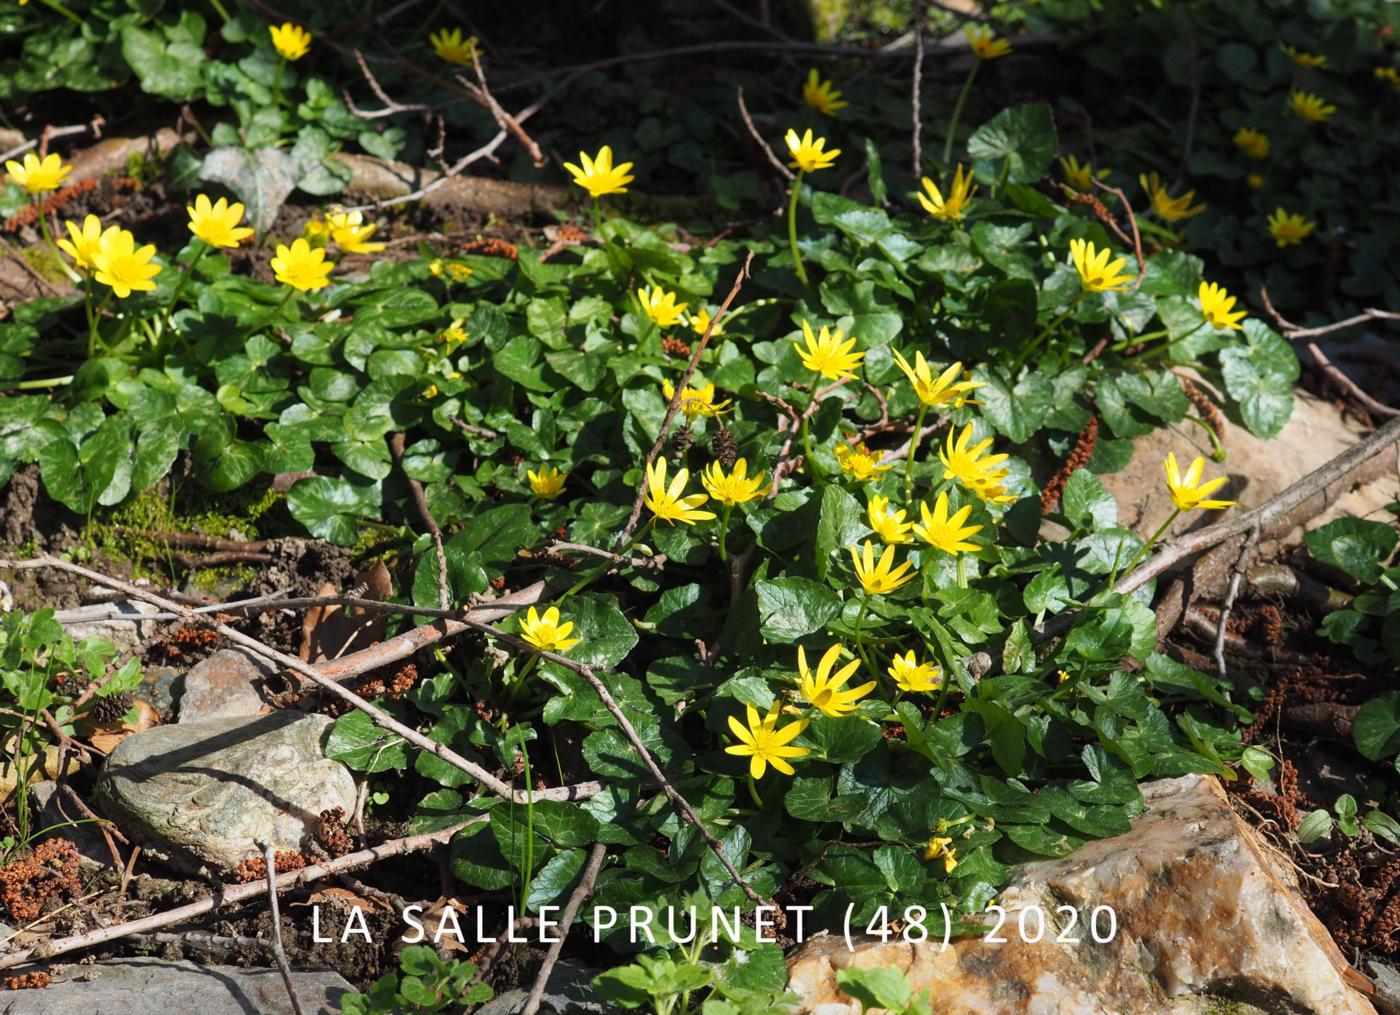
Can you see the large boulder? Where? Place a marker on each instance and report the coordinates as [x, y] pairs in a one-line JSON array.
[[1208, 920]]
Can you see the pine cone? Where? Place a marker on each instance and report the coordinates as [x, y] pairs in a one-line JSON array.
[[112, 708]]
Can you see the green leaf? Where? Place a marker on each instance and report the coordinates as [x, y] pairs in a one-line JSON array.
[[1016, 412], [1317, 825], [840, 524], [876, 988], [1021, 138], [606, 635], [1087, 504], [1357, 546], [841, 741], [362, 745], [1260, 378], [791, 608], [171, 69], [555, 878], [329, 508], [1376, 728], [261, 178]]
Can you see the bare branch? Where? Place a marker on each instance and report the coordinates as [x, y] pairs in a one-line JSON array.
[[783, 170], [270, 861], [566, 920]]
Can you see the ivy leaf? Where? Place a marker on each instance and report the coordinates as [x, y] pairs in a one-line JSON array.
[[1021, 138], [1260, 378], [1355, 545], [329, 508], [791, 608]]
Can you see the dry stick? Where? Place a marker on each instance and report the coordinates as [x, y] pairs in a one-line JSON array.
[[391, 106], [49, 134], [377, 716], [584, 889], [783, 170], [420, 501], [270, 862], [1176, 550], [1132, 221], [675, 403], [1348, 385], [231, 894], [656, 563], [918, 86], [504, 120], [1229, 602]]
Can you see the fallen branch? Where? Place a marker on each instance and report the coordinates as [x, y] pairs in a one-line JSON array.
[[917, 88], [270, 861], [777, 163], [676, 398], [231, 894], [420, 501], [1236, 576], [584, 889], [1132, 222]]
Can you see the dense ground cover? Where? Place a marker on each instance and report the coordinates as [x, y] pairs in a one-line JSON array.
[[776, 407]]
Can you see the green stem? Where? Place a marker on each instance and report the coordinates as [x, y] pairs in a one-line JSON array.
[[1133, 340], [58, 8], [724, 532], [223, 12], [185, 278], [957, 113], [792, 229], [860, 641], [913, 447], [1166, 348], [598, 572], [1034, 344], [88, 310], [753, 793], [276, 311], [48, 238], [1146, 547], [277, 83], [41, 384], [1002, 176], [614, 262], [962, 570], [1217, 450]]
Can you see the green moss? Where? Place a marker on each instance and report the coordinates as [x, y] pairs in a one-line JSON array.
[[46, 262]]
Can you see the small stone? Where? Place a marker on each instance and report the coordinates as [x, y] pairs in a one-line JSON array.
[[109, 622], [569, 992], [218, 789], [223, 686], [1387, 999], [145, 984]]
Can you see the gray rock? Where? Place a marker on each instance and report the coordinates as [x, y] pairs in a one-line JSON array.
[[149, 984], [216, 789], [1387, 980], [117, 622], [569, 992], [223, 686]]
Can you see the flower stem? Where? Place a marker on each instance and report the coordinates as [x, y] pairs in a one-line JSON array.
[[962, 570], [957, 112], [753, 792], [277, 83], [792, 229], [286, 297], [724, 532], [1146, 547], [1033, 345], [860, 641], [223, 11], [913, 447], [200, 248]]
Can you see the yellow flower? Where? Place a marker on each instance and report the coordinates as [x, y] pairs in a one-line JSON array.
[[217, 223], [547, 483], [431, 391], [808, 155], [942, 846], [435, 266], [1310, 107], [700, 320], [454, 335], [736, 488], [1217, 307], [1289, 228], [1188, 492], [858, 463], [661, 306], [888, 523], [119, 263], [959, 194], [971, 466], [821, 95], [947, 534], [546, 633], [1254, 180], [291, 41], [825, 353], [36, 175], [1095, 271], [1168, 208], [938, 390], [1253, 143], [826, 691], [1063, 675], [598, 175], [450, 47], [84, 241], [348, 230], [316, 232], [1310, 61], [914, 677], [695, 402], [764, 744], [302, 266], [882, 577], [1081, 176], [1389, 75], [979, 37], [667, 503]]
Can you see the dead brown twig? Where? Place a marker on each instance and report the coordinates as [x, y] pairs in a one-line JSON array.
[[783, 170], [674, 406], [482, 94], [566, 919], [420, 501], [916, 99], [1132, 221], [270, 860]]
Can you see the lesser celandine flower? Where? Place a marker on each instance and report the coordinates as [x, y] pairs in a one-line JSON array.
[[83, 243], [879, 577], [216, 223], [1168, 208], [914, 677], [821, 95], [291, 41], [942, 846], [696, 402], [764, 744], [1081, 176], [1253, 143], [598, 175], [941, 390], [1188, 492], [945, 533], [660, 306], [827, 355], [119, 263], [450, 47], [1389, 75], [826, 691], [547, 633], [302, 266], [1289, 228], [1309, 61], [350, 232], [671, 504], [1217, 307], [972, 466], [858, 462], [984, 45], [36, 175], [736, 488], [547, 483], [1310, 107], [888, 523], [700, 321], [1254, 181], [948, 208], [809, 155], [1096, 272]]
